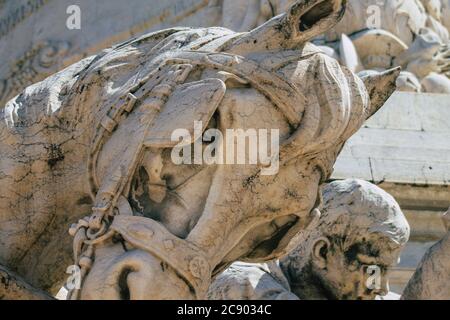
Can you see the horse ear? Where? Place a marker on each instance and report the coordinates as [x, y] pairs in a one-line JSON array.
[[312, 18], [304, 20], [380, 87]]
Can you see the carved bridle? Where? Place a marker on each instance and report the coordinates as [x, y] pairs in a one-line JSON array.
[[173, 68]]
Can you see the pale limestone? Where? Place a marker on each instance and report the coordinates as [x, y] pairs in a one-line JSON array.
[[38, 54], [359, 222], [434, 8], [13, 287], [431, 281], [427, 54], [446, 13], [348, 55], [377, 47], [246, 15], [403, 18], [405, 143], [96, 136], [35, 41], [397, 33]]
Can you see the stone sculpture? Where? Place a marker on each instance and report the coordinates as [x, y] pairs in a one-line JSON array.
[[403, 18], [446, 14], [95, 140], [411, 34], [398, 33], [431, 281], [360, 232], [247, 15], [436, 83], [434, 19], [39, 37]]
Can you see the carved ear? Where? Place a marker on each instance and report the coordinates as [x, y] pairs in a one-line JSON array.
[[380, 87], [304, 20], [320, 251]]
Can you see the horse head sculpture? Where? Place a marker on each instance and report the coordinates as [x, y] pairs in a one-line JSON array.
[[163, 230]]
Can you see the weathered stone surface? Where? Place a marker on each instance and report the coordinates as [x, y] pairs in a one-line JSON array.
[[387, 148], [376, 48], [360, 226], [247, 15], [408, 82], [348, 55], [436, 83], [12, 287], [434, 8], [425, 55], [446, 14], [397, 33], [402, 18], [405, 149], [35, 41], [95, 136]]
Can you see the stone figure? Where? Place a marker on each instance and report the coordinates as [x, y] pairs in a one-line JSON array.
[[408, 82], [425, 55], [95, 141], [431, 281], [436, 83], [391, 33], [360, 233], [403, 18], [247, 15]]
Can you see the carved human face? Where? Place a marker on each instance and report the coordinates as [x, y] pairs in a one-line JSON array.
[[361, 271], [446, 218]]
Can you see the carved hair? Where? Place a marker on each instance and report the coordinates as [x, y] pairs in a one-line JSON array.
[[353, 210]]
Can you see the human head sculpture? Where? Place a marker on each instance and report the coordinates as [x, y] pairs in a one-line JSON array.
[[195, 220], [361, 231]]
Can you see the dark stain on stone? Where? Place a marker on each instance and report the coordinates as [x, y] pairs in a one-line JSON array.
[[55, 155]]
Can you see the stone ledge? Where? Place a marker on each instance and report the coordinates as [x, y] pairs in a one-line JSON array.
[[407, 142]]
